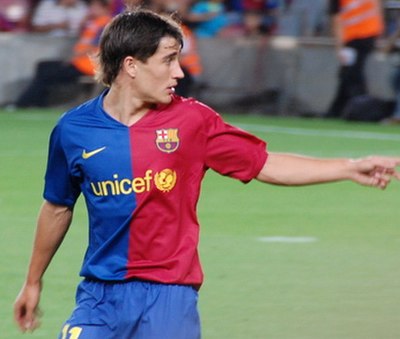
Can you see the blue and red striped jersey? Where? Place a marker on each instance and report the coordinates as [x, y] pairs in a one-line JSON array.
[[142, 183]]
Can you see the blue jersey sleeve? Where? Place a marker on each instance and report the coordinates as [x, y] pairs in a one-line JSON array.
[[60, 186]]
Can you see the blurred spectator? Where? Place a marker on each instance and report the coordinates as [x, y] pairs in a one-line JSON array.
[[250, 23], [59, 17], [117, 6], [393, 46], [271, 17], [190, 63], [253, 22], [13, 14], [356, 25], [207, 18], [304, 18], [158, 6], [253, 17], [52, 73]]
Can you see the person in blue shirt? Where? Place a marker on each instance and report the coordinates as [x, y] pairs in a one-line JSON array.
[[208, 17]]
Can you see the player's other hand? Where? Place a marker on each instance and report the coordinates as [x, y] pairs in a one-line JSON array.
[[375, 171], [26, 308]]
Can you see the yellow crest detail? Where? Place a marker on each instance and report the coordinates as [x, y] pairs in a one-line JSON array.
[[165, 180], [167, 140]]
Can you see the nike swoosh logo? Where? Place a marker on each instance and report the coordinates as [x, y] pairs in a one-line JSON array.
[[87, 155]]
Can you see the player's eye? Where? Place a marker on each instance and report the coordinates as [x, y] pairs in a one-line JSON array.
[[171, 59]]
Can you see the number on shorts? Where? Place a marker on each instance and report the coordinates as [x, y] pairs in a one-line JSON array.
[[71, 332]]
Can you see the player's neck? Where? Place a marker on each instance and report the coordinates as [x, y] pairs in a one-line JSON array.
[[124, 107]]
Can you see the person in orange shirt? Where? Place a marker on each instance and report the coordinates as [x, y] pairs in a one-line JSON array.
[[56, 72], [356, 25], [190, 62]]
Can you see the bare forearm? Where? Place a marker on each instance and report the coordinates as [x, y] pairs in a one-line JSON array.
[[53, 224], [296, 170]]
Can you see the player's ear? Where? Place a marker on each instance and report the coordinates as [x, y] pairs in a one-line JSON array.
[[129, 64]]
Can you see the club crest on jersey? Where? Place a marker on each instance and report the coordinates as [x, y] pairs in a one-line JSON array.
[[167, 140]]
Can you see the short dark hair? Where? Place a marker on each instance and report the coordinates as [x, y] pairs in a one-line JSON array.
[[135, 33]]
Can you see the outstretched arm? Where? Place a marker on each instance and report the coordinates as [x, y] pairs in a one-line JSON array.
[[53, 224], [295, 170]]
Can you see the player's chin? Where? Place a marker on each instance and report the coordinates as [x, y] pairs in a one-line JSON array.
[[165, 99]]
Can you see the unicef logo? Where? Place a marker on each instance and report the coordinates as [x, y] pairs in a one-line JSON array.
[[164, 181]]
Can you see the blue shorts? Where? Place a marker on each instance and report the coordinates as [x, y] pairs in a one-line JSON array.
[[133, 310]]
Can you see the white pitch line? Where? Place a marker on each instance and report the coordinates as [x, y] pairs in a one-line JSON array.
[[321, 132], [289, 240]]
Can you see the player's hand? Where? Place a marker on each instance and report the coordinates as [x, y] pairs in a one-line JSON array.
[[26, 308], [375, 171]]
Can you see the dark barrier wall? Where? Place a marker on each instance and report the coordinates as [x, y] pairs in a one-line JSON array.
[[302, 72]]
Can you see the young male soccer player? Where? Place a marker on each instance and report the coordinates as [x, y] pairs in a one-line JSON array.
[[138, 154]]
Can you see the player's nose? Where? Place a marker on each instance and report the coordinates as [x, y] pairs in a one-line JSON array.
[[177, 72]]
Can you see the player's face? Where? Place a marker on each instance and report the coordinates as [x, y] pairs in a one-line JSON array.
[[159, 75]]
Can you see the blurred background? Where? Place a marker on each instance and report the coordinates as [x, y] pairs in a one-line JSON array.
[[274, 57]]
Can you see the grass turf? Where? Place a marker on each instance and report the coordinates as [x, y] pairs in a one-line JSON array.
[[344, 285]]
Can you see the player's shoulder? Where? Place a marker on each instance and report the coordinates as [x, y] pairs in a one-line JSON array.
[[79, 113], [192, 108], [76, 119]]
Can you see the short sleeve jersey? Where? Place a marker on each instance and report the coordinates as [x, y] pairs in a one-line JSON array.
[[141, 184]]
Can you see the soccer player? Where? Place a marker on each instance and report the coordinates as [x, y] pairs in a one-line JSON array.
[[138, 154]]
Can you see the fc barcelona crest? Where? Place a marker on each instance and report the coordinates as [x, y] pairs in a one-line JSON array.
[[167, 140]]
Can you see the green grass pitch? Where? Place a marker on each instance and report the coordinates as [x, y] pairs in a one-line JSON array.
[[345, 284]]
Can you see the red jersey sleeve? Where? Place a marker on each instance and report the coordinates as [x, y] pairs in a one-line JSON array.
[[232, 151]]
